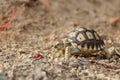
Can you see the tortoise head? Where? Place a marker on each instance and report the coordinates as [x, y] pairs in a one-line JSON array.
[[59, 45]]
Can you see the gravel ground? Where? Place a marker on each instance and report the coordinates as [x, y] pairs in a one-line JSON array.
[[27, 52]]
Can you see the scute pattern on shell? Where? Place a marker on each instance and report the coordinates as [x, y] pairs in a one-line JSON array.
[[89, 38]]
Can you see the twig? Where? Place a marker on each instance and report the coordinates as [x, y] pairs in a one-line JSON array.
[[105, 65]]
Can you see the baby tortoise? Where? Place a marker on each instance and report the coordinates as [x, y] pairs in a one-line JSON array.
[[82, 42]]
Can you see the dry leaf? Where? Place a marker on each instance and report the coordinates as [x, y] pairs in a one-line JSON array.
[[37, 56]]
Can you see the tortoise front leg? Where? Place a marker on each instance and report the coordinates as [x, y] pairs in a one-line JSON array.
[[69, 51]]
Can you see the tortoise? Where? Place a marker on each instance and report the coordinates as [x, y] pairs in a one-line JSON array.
[[81, 42]]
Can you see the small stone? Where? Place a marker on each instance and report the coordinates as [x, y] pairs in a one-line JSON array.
[[3, 77], [6, 65], [74, 64], [52, 36], [1, 53], [40, 74], [73, 70], [1, 68], [100, 75], [85, 72]]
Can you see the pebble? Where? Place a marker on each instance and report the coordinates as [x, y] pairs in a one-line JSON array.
[[40, 74], [3, 77], [100, 76], [1, 68]]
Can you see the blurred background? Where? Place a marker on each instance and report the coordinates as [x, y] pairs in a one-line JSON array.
[[33, 26]]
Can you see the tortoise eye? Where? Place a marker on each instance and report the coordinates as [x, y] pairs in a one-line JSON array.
[[80, 37], [89, 35]]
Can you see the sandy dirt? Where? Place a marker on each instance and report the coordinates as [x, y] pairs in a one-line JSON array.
[[26, 47]]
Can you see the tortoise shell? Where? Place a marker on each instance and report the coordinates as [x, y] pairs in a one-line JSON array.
[[86, 39]]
